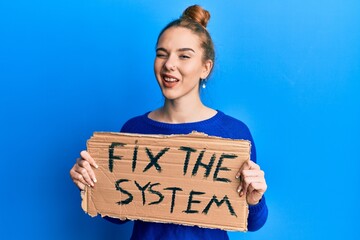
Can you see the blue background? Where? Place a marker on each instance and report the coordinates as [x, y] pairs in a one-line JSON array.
[[290, 69]]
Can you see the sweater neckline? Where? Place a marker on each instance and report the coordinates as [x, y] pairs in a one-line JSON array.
[[212, 119]]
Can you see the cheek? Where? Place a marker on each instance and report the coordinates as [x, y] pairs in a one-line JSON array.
[[157, 70], [192, 71], [157, 66]]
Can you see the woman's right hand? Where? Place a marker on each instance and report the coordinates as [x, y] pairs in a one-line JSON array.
[[82, 173]]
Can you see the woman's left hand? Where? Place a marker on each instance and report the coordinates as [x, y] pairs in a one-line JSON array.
[[252, 182]]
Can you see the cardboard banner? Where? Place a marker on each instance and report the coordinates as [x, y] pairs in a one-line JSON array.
[[183, 179]]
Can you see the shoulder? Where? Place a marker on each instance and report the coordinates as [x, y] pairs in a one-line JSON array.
[[130, 125], [231, 120], [236, 128]]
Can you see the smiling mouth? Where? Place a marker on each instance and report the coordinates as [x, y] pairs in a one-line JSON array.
[[170, 79]]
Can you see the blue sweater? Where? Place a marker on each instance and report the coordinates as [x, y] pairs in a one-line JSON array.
[[220, 125]]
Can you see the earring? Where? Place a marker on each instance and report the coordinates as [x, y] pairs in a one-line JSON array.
[[203, 85]]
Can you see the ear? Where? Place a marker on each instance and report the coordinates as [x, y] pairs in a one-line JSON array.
[[208, 65]]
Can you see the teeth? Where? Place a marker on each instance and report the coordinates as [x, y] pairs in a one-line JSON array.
[[168, 79]]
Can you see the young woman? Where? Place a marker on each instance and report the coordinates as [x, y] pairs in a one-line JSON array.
[[184, 59]]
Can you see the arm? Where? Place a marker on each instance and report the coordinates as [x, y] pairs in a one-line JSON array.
[[253, 184], [257, 215]]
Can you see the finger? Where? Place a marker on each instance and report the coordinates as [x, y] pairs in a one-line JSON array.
[[244, 166], [246, 176], [242, 188], [249, 176], [85, 164], [239, 189], [255, 193], [248, 165], [253, 165], [258, 187], [246, 182], [257, 184], [80, 185], [85, 155], [84, 176], [252, 173], [77, 176]]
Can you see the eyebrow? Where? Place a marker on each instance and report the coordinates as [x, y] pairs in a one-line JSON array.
[[179, 50], [186, 49]]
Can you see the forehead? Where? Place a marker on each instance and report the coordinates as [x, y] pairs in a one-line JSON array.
[[179, 37]]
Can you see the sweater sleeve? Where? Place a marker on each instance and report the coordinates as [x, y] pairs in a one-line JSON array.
[[115, 220], [257, 215]]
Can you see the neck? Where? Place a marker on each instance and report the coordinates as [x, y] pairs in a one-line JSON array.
[[182, 111]]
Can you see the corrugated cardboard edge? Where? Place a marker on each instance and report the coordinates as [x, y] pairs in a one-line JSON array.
[[85, 196], [91, 210], [84, 201], [185, 223], [192, 134], [180, 222]]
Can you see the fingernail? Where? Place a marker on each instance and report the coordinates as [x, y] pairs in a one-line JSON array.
[[96, 166], [237, 176], [95, 180], [239, 189]]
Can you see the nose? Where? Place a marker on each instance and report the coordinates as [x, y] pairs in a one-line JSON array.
[[170, 64]]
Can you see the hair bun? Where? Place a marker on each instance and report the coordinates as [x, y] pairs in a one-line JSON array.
[[197, 14]]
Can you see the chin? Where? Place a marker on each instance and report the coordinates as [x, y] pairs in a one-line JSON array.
[[170, 96]]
